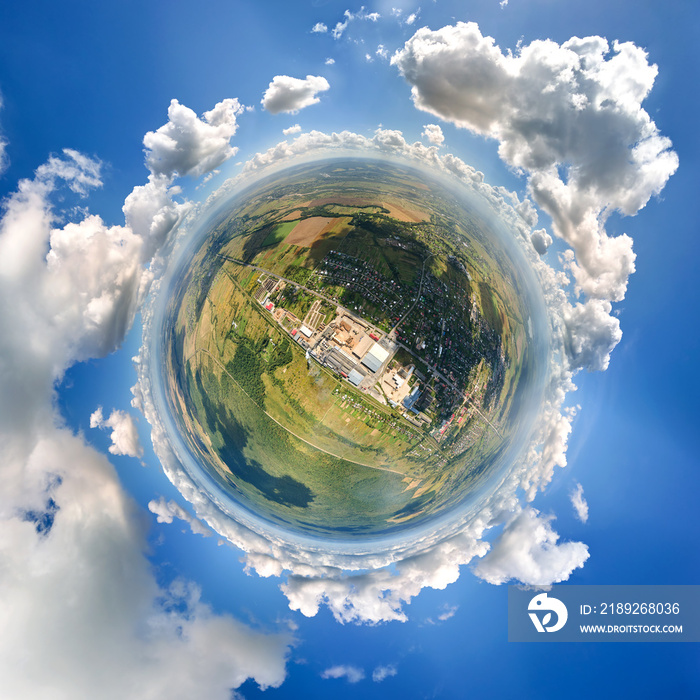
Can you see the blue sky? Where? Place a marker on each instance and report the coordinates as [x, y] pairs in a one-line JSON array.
[[111, 594]]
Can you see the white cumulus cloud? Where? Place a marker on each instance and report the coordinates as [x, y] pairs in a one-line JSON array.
[[591, 333], [151, 212], [433, 133], [379, 595], [82, 613], [81, 296], [188, 145], [291, 130], [541, 240], [319, 28], [81, 596], [579, 503], [125, 434], [527, 551], [167, 511], [287, 94], [570, 117]]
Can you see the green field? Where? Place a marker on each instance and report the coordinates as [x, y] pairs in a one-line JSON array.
[[278, 233]]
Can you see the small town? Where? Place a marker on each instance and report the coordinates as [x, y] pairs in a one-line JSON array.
[[420, 365]]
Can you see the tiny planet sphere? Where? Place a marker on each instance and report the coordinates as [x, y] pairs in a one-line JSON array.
[[347, 350]]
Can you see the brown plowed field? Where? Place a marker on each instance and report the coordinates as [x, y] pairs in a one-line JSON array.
[[401, 213], [308, 230]]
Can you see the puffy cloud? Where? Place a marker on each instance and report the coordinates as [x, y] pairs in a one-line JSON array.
[[287, 94], [541, 240], [68, 531], [291, 130], [579, 503], [113, 632], [319, 28], [92, 278], [151, 212], [381, 673], [433, 133], [80, 297], [85, 291], [548, 446], [353, 674], [382, 52], [591, 333], [527, 551], [187, 145], [548, 105], [165, 512], [329, 61], [125, 435], [569, 116], [378, 595]]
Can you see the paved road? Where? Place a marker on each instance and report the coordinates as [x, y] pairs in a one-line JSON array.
[[420, 290]]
